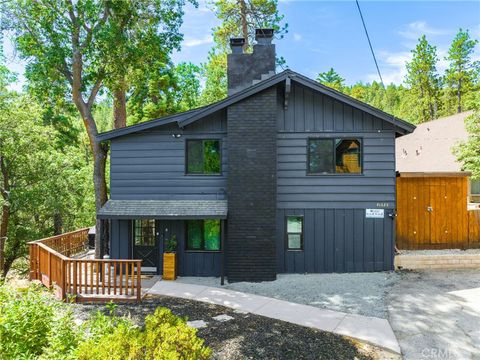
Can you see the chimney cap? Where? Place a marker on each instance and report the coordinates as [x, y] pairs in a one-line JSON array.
[[236, 44], [264, 34]]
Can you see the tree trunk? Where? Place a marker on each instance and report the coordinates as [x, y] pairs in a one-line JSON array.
[[57, 223], [3, 235], [100, 185], [243, 15], [5, 211], [99, 151], [459, 96], [119, 108]]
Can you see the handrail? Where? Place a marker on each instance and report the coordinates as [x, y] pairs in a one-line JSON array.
[[84, 279]]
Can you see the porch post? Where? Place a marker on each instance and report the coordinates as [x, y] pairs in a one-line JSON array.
[[222, 245]]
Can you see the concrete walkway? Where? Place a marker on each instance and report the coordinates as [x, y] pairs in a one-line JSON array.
[[372, 330]]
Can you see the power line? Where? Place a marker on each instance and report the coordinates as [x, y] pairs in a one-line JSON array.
[[369, 43]]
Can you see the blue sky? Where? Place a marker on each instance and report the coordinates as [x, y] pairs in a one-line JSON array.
[[324, 34]]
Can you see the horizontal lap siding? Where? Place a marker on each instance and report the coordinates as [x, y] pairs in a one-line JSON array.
[[295, 188], [151, 164]]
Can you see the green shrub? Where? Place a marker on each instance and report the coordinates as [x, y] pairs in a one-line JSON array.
[[169, 337], [31, 321], [166, 336], [35, 326]]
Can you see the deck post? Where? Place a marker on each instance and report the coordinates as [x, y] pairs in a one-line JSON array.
[[139, 280]]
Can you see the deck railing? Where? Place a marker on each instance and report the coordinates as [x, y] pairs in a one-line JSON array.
[[83, 279]]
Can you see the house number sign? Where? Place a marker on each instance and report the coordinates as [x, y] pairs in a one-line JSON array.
[[375, 213]]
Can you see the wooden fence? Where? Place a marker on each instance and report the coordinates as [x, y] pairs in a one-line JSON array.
[[433, 214], [83, 279]]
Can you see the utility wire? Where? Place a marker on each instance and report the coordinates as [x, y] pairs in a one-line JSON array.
[[370, 43]]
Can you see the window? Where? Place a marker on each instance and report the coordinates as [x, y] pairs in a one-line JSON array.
[[294, 233], [334, 156], [203, 235], [475, 187], [144, 233], [203, 157]]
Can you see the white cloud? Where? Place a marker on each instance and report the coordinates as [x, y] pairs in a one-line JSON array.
[[392, 67], [297, 37], [416, 29], [190, 41]]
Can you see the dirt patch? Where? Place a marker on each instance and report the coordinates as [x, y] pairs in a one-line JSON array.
[[248, 336]]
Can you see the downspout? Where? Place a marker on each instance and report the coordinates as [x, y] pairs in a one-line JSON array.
[[222, 244]]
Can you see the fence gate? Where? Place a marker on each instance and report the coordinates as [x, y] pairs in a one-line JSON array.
[[432, 212]]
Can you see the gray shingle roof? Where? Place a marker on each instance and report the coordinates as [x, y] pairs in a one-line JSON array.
[[163, 209]]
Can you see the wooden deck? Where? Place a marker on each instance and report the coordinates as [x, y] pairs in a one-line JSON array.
[[83, 280]]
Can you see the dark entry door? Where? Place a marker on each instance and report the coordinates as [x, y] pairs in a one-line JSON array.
[[165, 232], [145, 244]]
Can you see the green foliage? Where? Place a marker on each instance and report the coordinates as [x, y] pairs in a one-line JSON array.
[[168, 336], [32, 324], [35, 326], [171, 244], [48, 178], [238, 18], [331, 79], [468, 152], [165, 336], [423, 80], [462, 73]]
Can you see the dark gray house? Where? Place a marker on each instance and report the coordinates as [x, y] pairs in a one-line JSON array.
[[285, 175]]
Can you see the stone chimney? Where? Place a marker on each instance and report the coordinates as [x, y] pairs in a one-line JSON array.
[[244, 70]]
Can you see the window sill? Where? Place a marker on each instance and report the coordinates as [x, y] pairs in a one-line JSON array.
[[295, 250], [203, 251], [335, 175], [204, 175]]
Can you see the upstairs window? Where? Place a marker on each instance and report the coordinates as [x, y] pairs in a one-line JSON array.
[[294, 232], [203, 235], [203, 157], [334, 156]]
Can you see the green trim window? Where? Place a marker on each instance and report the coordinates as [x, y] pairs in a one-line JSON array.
[[144, 233], [203, 235], [203, 157], [294, 230], [334, 156]]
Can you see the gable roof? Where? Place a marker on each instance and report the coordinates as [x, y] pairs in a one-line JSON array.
[[429, 147], [185, 118]]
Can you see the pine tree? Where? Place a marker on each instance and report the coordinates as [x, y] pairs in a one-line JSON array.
[[331, 79], [460, 75], [423, 80]]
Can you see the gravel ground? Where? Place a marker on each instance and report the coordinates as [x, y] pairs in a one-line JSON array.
[[441, 252], [248, 336], [357, 293]]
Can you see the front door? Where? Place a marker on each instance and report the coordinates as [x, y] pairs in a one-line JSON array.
[[164, 232], [145, 244]]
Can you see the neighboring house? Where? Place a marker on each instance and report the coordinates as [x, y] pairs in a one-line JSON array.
[[276, 178], [433, 193], [429, 149]]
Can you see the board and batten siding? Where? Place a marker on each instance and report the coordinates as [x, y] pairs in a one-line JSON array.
[[150, 165], [337, 235]]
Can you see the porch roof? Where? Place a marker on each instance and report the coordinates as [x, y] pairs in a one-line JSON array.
[[163, 209]]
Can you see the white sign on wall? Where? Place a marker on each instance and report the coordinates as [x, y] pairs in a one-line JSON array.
[[375, 213]]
